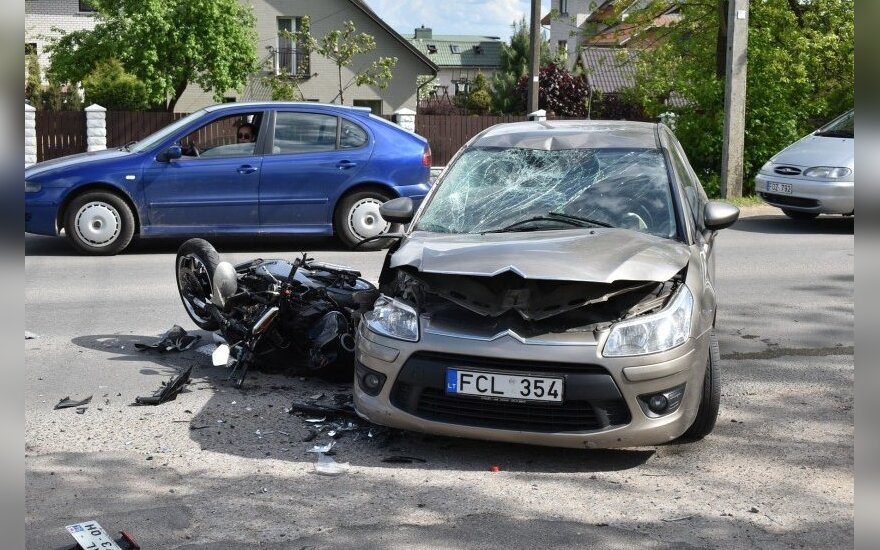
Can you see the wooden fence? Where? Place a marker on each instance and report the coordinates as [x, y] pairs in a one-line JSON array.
[[60, 133], [64, 133], [447, 133]]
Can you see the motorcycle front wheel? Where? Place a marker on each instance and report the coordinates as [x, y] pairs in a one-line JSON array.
[[194, 269]]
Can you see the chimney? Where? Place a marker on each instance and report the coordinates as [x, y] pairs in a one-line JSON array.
[[423, 33]]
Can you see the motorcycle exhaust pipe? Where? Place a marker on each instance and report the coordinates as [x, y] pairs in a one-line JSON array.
[[265, 321], [347, 342]]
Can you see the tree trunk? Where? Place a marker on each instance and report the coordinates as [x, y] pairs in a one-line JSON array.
[[339, 73], [178, 91]]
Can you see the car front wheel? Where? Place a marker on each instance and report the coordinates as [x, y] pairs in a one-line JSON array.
[[798, 215], [99, 223], [357, 218], [707, 414]]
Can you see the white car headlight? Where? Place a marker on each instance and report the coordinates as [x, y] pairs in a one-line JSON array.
[[394, 319], [827, 172], [653, 333]]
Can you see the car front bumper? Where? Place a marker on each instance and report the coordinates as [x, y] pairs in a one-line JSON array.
[[609, 387], [41, 210], [808, 195]]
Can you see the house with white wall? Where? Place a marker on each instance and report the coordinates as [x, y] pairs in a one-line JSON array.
[[319, 82], [459, 58]]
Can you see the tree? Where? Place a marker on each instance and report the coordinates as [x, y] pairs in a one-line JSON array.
[[513, 66], [341, 47], [479, 99], [560, 91], [32, 83], [111, 87], [166, 44], [800, 74]]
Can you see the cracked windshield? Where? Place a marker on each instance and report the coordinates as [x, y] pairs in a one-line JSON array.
[[490, 190]]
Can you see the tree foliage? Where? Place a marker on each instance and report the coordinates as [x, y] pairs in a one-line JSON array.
[[559, 92], [342, 47], [111, 87], [479, 98], [800, 74], [513, 66], [33, 85], [166, 44]]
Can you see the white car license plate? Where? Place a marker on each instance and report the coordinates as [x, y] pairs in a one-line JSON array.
[[91, 536], [503, 385], [775, 187]]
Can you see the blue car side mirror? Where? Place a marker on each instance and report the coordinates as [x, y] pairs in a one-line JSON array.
[[172, 153]]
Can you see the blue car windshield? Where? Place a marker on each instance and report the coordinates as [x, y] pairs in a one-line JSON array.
[[493, 189], [163, 134]]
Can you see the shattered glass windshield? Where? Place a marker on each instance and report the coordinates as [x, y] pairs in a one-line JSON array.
[[516, 189]]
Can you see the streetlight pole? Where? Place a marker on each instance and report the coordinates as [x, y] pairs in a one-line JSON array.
[[735, 99], [534, 57]]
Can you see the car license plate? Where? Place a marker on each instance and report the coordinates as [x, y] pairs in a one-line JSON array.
[[503, 385], [91, 536], [774, 187]]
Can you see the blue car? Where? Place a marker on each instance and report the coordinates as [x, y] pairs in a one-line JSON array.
[[272, 168]]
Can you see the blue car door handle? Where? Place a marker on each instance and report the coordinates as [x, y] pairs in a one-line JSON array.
[[247, 169], [343, 164]]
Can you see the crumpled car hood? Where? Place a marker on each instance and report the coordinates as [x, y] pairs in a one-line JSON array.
[[587, 255]]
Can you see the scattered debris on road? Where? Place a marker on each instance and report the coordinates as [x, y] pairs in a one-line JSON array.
[[169, 390], [89, 534], [325, 465], [30, 335], [175, 339], [397, 459], [67, 402]]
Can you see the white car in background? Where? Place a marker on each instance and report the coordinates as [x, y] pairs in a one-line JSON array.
[[815, 174]]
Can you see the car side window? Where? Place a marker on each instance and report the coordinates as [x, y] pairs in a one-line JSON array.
[[229, 136], [691, 187], [351, 135], [304, 133]]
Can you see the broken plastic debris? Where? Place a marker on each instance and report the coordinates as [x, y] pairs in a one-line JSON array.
[[67, 402], [325, 465], [30, 335], [322, 448], [316, 420], [220, 356], [175, 339], [169, 390], [327, 410]]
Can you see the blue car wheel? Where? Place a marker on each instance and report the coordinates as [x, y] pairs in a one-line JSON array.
[[99, 223]]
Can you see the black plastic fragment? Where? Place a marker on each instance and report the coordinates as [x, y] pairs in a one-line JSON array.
[[175, 339], [169, 390], [322, 410], [67, 402]]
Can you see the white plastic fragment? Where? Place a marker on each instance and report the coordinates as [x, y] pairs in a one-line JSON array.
[[325, 465], [322, 448]]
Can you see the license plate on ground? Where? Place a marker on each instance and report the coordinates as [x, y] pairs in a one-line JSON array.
[[90, 535], [774, 187], [503, 385]]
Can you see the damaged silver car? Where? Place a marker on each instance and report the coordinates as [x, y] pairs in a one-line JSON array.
[[556, 287]]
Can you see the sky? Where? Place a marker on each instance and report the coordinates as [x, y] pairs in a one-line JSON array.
[[476, 17]]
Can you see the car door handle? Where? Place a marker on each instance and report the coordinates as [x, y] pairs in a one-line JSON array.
[[247, 169], [344, 164]]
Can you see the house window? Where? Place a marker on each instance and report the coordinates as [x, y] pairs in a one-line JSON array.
[[563, 46], [454, 48], [375, 105], [84, 6], [292, 59], [478, 50], [432, 48], [563, 7]]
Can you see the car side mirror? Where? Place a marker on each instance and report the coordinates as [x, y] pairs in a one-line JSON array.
[[172, 153], [718, 215], [224, 283], [398, 210]]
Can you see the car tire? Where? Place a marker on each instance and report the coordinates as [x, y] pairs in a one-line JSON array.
[[710, 402], [99, 223], [194, 269], [357, 217], [798, 215]]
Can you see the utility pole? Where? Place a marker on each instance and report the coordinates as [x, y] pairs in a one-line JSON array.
[[735, 99], [534, 57]]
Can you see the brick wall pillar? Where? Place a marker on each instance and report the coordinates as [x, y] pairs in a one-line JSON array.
[[30, 135], [406, 119], [96, 128]]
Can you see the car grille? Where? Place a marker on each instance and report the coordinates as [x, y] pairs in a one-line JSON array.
[[787, 170], [592, 399], [785, 200]]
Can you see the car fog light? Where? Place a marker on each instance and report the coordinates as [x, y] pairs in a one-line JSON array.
[[658, 403], [369, 381]]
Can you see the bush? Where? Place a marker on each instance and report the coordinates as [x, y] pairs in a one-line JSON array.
[[559, 91], [111, 87]]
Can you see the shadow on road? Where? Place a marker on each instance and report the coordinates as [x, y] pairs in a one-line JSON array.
[[779, 225], [37, 245]]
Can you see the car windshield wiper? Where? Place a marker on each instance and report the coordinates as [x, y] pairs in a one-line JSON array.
[[127, 146], [551, 216], [836, 133]]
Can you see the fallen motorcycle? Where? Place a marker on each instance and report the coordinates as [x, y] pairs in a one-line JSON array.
[[295, 317]]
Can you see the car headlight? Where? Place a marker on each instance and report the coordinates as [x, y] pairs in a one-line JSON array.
[[394, 319], [767, 166], [653, 333], [31, 187], [827, 172]]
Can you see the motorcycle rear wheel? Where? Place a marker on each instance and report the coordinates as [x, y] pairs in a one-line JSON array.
[[194, 269]]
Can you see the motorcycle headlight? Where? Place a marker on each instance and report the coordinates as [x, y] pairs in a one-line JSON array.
[[394, 319], [827, 172], [31, 187], [653, 333]]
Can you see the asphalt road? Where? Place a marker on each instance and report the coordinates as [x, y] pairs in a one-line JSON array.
[[776, 473]]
